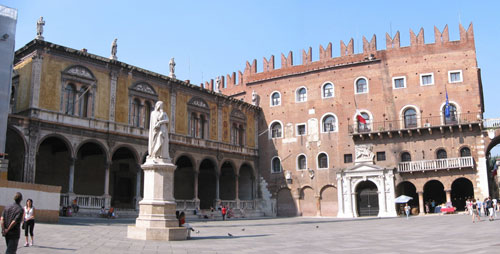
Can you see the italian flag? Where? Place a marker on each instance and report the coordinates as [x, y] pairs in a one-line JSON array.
[[360, 117]]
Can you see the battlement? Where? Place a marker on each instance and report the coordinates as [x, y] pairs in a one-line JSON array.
[[233, 84]]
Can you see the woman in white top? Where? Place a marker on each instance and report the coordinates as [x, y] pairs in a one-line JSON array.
[[29, 221]]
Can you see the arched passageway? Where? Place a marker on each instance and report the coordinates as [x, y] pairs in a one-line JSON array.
[[207, 184], [408, 189], [329, 203], [227, 183], [367, 199], [16, 151], [461, 190], [434, 194], [184, 179], [53, 162], [246, 183], [123, 178], [285, 204], [90, 170], [307, 202]]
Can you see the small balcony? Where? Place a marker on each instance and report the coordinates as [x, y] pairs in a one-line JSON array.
[[435, 165], [414, 125]]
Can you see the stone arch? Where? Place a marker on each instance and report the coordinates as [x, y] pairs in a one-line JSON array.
[[367, 197], [190, 157], [227, 180], [207, 182], [246, 182], [184, 178], [53, 162], [285, 204], [462, 189], [434, 191], [328, 200], [63, 138], [123, 177], [91, 162], [97, 142], [79, 71], [129, 147], [407, 188], [16, 148], [307, 201]]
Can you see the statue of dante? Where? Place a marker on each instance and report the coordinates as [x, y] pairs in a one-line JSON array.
[[114, 49], [158, 135], [39, 28], [171, 65]]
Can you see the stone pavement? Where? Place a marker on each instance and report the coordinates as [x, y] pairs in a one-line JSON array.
[[421, 234]]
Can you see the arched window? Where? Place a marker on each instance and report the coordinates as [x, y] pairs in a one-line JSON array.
[[301, 162], [147, 113], [322, 160], [199, 113], [276, 165], [364, 127], [464, 152], [136, 113], [328, 90], [301, 94], [441, 154], [78, 90], [329, 123], [275, 99], [69, 98], [361, 86], [410, 116], [276, 130], [405, 156], [450, 116]]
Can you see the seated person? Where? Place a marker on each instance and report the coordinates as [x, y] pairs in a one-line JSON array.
[[103, 213], [182, 223], [111, 213]]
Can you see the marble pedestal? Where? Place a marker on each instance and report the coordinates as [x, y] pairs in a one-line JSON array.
[[156, 219]]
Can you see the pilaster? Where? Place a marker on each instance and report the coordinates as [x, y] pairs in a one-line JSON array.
[[112, 95], [36, 77]]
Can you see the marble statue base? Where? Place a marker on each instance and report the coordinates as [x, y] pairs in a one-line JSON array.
[[156, 219]]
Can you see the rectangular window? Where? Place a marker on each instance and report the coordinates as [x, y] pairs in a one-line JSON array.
[[398, 82], [301, 129], [426, 79], [455, 76], [348, 158], [380, 156]]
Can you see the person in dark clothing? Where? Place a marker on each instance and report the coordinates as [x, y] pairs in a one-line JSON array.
[[11, 219]]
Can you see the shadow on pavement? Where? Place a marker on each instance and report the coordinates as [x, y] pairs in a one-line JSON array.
[[90, 221], [224, 237], [52, 248]]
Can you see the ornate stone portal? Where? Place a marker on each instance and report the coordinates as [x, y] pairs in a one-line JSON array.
[[156, 219], [364, 170]]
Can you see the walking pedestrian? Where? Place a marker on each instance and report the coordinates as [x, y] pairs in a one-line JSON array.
[[489, 206], [11, 219], [475, 211], [479, 205], [407, 210], [29, 221]]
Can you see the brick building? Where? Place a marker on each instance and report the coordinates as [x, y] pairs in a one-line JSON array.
[[421, 135]]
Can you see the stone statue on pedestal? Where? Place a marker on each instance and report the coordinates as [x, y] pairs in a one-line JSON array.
[[39, 28], [171, 65], [218, 84], [114, 49], [158, 136]]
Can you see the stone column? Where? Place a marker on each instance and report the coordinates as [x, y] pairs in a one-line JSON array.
[[196, 186], [138, 187], [173, 101], [217, 192], [318, 205], [296, 199], [448, 195], [107, 197], [421, 206], [156, 219], [237, 185], [349, 204], [382, 205], [71, 175], [340, 197]]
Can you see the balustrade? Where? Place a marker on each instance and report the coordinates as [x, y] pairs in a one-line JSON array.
[[438, 164]]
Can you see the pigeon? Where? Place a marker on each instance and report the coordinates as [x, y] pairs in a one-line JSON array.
[[243, 229], [229, 234], [197, 231], [317, 226]]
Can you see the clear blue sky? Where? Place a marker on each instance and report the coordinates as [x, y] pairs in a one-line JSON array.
[[211, 38]]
